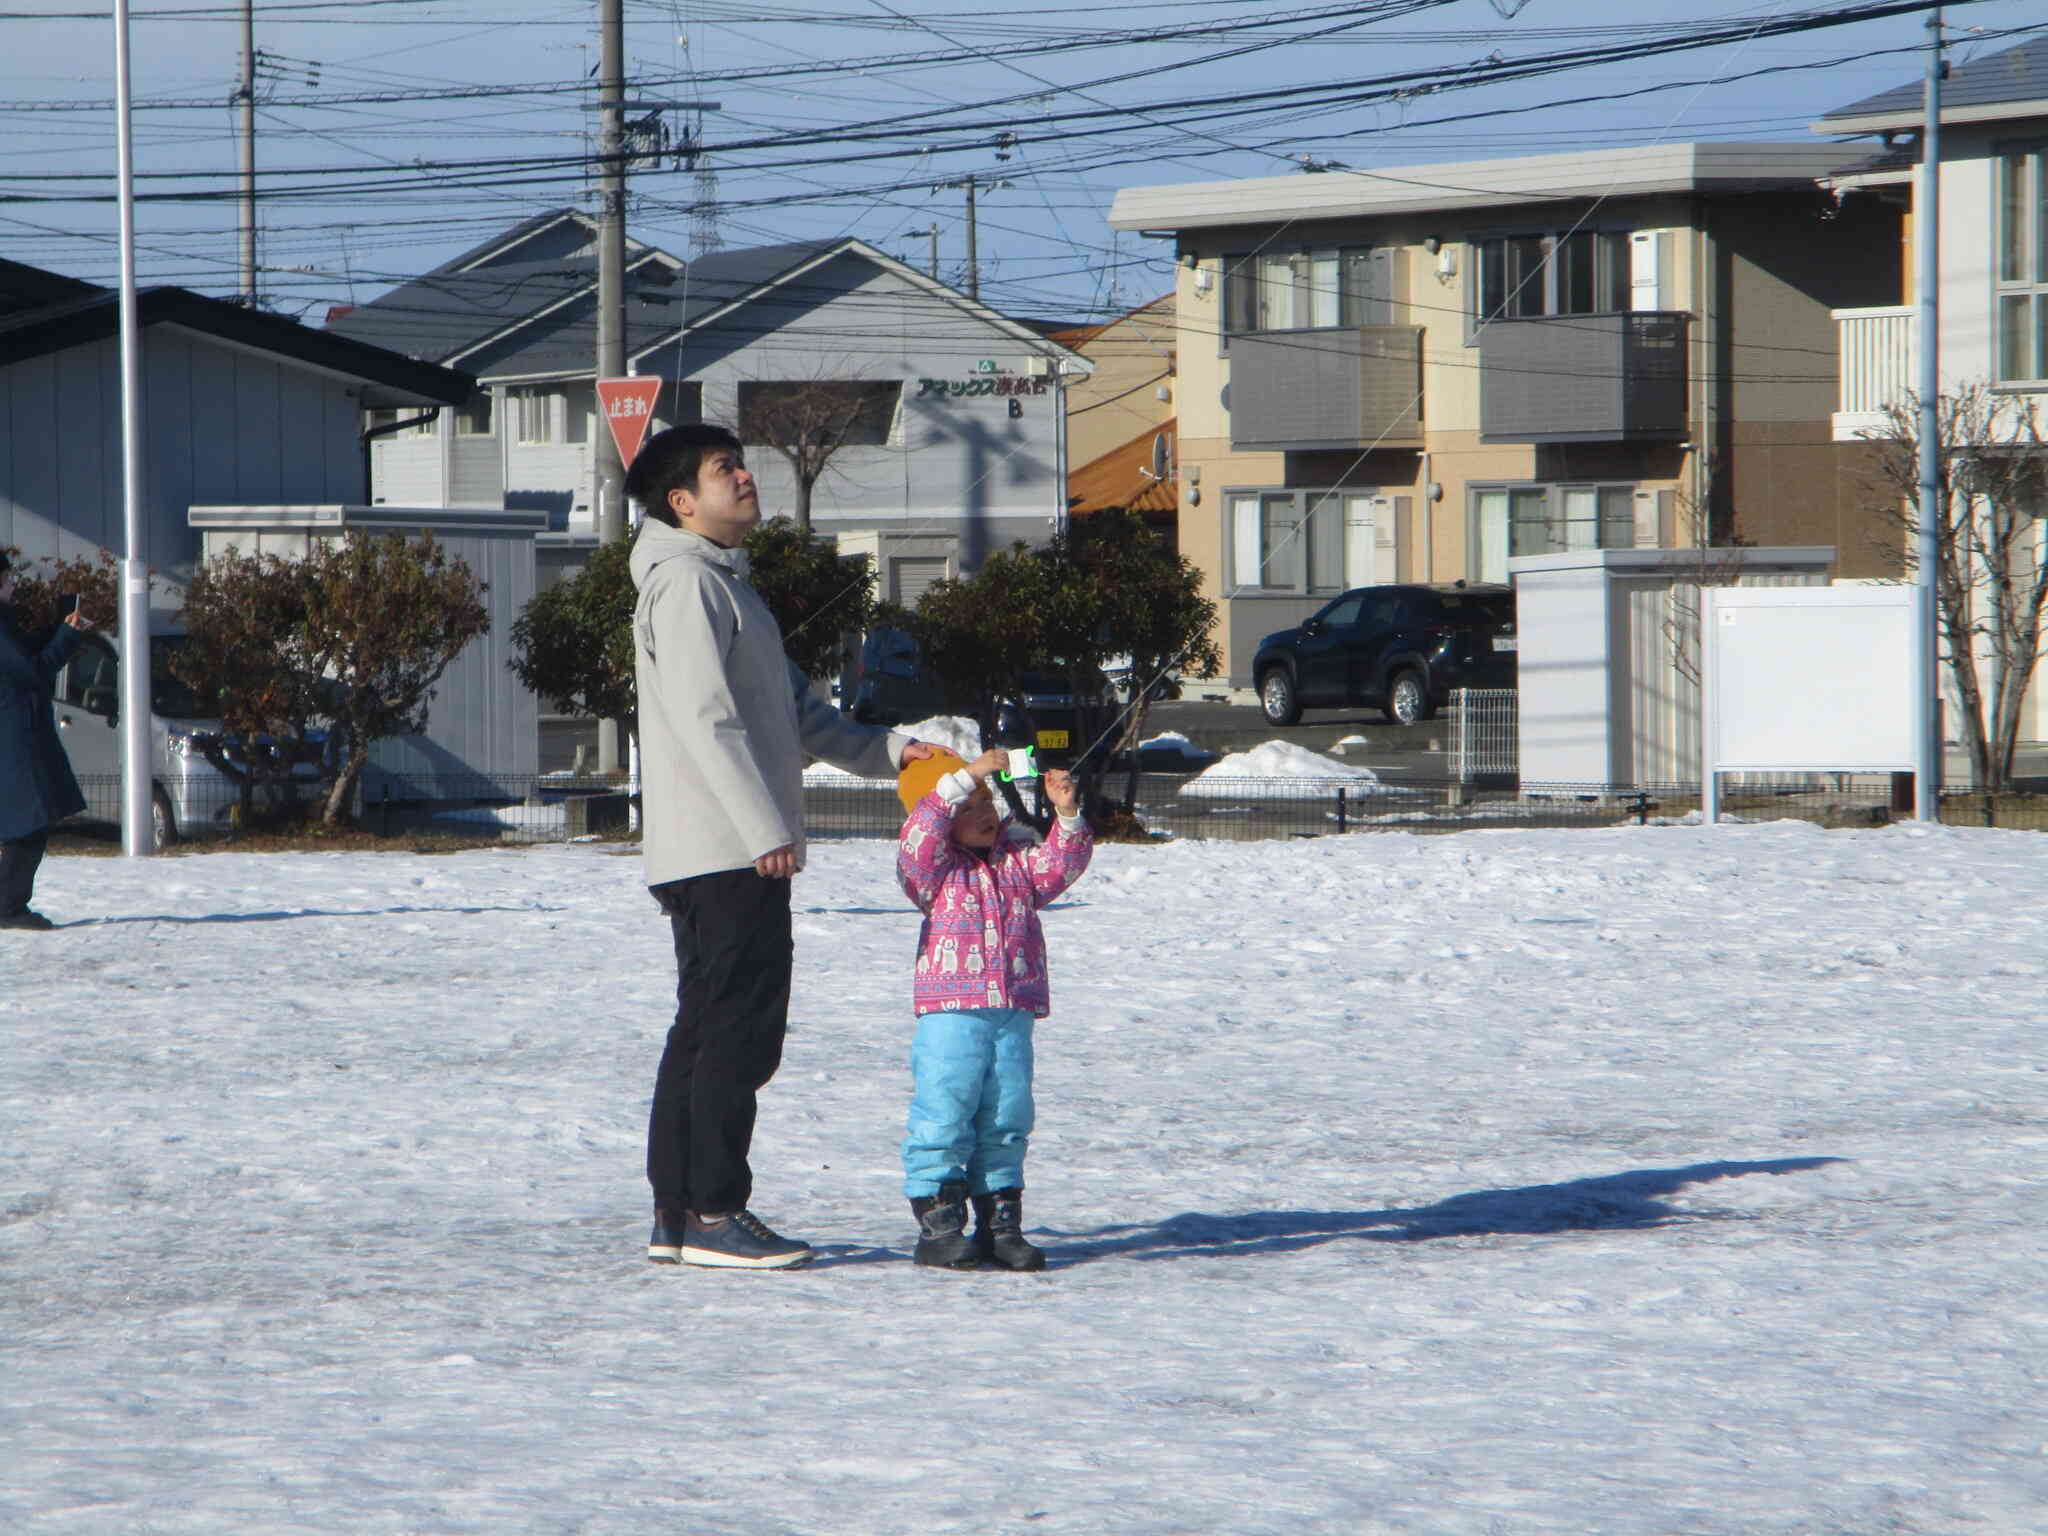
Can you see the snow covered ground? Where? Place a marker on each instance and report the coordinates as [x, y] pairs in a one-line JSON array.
[[1654, 1181]]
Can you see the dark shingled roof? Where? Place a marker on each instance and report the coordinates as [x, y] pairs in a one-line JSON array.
[[25, 287], [2016, 74], [87, 313]]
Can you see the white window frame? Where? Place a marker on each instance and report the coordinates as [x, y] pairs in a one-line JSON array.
[[2020, 266], [1323, 288], [1613, 504], [1540, 294], [465, 416], [531, 406], [1304, 547]]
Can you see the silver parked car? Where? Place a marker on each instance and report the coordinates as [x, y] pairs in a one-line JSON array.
[[188, 795]]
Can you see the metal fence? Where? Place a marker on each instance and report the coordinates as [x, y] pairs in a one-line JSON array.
[[1485, 739], [559, 807]]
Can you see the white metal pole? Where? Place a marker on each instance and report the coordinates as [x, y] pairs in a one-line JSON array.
[[1061, 501], [611, 299], [246, 96], [137, 835], [1926, 681]]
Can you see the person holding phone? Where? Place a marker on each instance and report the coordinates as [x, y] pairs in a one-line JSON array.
[[37, 786]]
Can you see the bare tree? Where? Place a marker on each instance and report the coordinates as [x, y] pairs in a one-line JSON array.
[[1716, 556], [810, 422], [1991, 582]]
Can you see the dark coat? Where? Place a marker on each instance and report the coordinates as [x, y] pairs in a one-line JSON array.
[[36, 783]]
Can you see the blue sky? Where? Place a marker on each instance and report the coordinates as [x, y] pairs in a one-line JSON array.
[[934, 81]]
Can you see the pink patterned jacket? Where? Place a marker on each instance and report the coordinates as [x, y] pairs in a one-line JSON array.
[[981, 945]]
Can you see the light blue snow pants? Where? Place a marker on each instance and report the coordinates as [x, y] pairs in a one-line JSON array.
[[970, 1101]]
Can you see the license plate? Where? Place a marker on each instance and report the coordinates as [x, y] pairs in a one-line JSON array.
[[1504, 642], [1052, 741]]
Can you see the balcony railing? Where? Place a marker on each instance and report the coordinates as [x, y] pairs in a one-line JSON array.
[[1878, 362], [1583, 378], [1356, 387]]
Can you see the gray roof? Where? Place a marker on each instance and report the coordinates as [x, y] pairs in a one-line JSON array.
[[544, 312], [1643, 170], [2016, 79], [523, 305]]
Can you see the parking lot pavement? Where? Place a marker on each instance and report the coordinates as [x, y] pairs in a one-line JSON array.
[[1417, 751]]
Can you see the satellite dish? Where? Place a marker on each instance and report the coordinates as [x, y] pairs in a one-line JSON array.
[[1161, 455]]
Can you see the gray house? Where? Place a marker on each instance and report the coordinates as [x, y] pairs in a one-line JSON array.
[[254, 438], [960, 448], [239, 407]]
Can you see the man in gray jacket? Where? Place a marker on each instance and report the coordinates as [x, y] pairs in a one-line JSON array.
[[726, 723]]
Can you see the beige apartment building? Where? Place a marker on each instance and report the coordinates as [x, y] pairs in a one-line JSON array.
[[1412, 374]]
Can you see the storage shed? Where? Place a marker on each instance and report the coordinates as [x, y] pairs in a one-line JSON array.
[[1609, 656], [483, 727]]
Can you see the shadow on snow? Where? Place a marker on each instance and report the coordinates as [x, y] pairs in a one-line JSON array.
[[1616, 1202]]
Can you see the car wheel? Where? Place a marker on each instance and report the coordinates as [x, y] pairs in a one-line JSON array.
[[1408, 699], [1277, 699], [163, 826]]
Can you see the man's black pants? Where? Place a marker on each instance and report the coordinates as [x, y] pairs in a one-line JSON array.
[[733, 953], [20, 858]]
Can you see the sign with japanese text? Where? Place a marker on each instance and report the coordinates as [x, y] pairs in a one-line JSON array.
[[1000, 385], [628, 407]]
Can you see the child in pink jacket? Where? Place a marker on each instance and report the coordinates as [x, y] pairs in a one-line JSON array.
[[980, 983]]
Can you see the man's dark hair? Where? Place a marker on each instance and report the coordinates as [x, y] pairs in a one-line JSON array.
[[668, 461]]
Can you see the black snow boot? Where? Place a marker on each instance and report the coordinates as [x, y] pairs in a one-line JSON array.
[[942, 1240], [999, 1231]]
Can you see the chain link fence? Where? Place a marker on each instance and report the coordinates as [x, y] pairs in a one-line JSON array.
[[562, 807]]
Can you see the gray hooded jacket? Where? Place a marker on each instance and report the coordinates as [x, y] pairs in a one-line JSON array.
[[726, 720]]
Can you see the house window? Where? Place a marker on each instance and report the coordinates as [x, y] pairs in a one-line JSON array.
[[579, 404], [680, 401], [474, 418], [1580, 272], [2023, 265], [1547, 520], [532, 410], [1302, 541], [422, 419], [841, 413], [1304, 289]]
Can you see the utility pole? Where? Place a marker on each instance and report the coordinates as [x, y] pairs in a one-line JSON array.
[[611, 296], [973, 260], [972, 184], [245, 96]]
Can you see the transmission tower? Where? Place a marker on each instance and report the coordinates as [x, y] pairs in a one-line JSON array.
[[704, 235]]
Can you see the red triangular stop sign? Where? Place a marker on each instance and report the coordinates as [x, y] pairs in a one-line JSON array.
[[628, 406]]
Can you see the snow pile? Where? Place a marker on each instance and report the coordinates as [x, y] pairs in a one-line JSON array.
[[956, 733], [1506, 1183], [1174, 744], [1280, 770]]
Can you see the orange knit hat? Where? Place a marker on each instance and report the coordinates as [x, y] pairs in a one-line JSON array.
[[921, 776]]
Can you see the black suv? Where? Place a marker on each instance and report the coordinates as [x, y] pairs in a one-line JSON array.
[[1401, 648]]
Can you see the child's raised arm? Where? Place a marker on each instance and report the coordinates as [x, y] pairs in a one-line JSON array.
[[1060, 860]]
